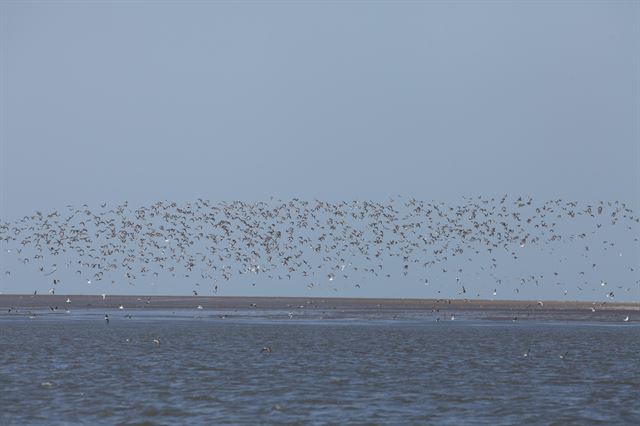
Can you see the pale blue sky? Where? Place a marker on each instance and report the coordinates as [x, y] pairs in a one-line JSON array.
[[140, 101]]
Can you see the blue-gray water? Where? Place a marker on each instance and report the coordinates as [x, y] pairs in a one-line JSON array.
[[62, 369]]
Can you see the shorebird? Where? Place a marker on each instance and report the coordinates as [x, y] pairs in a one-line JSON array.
[[307, 239]]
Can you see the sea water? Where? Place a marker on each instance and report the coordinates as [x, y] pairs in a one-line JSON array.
[[212, 369]]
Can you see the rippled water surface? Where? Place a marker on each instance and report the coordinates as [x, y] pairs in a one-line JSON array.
[[78, 369]]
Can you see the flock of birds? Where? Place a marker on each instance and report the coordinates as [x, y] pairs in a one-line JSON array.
[[316, 243]]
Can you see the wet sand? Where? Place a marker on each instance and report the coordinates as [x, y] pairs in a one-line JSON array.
[[327, 308]]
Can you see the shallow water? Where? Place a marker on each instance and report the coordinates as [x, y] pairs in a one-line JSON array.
[[59, 369]]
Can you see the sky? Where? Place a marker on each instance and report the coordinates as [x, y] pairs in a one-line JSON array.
[[145, 101]]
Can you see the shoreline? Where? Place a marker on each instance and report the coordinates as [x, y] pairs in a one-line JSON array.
[[264, 303]]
